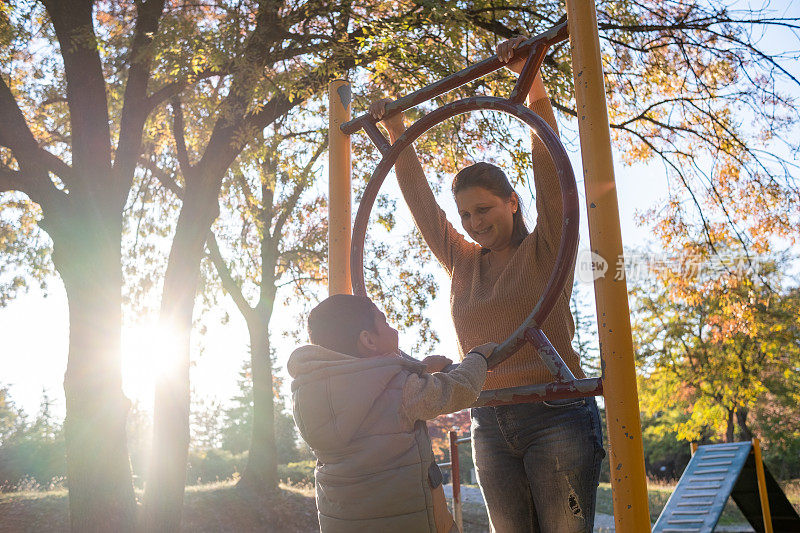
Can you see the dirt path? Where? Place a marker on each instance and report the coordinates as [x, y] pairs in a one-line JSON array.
[[472, 495], [603, 523]]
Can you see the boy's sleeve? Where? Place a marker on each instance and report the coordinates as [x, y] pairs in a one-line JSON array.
[[427, 396]]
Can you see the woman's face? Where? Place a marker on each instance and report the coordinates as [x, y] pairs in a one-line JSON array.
[[486, 217]]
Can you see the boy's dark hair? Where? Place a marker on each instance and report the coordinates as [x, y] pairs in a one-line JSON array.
[[338, 320]]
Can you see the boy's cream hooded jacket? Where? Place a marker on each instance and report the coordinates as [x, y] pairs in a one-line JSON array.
[[364, 420]]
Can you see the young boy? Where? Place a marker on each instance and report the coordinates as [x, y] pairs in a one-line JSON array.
[[362, 407]]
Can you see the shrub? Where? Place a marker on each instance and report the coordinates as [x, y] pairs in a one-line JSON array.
[[208, 466], [299, 472]]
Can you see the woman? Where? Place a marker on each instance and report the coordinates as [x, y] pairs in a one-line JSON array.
[[538, 464]]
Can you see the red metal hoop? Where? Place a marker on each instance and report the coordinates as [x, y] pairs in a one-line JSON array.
[[569, 226]]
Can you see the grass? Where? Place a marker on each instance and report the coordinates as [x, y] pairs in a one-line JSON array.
[[217, 507], [34, 511], [657, 496], [221, 507], [476, 520]]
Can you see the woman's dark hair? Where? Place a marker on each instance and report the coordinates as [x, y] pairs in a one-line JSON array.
[[338, 320], [493, 179]]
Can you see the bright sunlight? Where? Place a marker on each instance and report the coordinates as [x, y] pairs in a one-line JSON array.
[[148, 352]]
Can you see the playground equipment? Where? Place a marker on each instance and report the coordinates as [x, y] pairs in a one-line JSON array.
[[565, 384], [716, 472], [618, 383], [455, 476]]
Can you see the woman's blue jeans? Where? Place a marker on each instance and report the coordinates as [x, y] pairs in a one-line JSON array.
[[538, 464]]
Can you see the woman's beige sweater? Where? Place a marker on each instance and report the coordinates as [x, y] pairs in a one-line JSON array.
[[489, 312]]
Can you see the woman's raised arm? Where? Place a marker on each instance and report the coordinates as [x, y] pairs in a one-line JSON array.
[[549, 210], [439, 234]]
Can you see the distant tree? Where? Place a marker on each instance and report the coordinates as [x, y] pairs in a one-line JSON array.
[[775, 416], [31, 451], [139, 431], [206, 423], [439, 430], [714, 343], [237, 422], [585, 342], [24, 250], [239, 418], [9, 415], [273, 235]]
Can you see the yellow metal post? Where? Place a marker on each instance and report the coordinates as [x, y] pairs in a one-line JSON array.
[[339, 197], [693, 447], [628, 482], [762, 487]]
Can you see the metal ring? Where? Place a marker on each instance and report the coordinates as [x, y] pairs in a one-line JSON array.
[[567, 249]]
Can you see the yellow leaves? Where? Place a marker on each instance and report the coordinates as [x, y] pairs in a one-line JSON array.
[[198, 61]]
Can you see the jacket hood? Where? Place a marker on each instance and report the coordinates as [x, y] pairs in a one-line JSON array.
[[333, 392]]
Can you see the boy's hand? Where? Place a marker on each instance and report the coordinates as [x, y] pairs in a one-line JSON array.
[[394, 125], [436, 363], [485, 349]]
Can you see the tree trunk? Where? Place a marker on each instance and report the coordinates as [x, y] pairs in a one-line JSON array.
[[729, 426], [167, 472], [261, 472], [741, 420], [88, 258]]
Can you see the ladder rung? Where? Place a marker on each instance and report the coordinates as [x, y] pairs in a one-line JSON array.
[[685, 521], [721, 463], [705, 480], [701, 511], [695, 504], [718, 455], [712, 471], [681, 530], [699, 495]]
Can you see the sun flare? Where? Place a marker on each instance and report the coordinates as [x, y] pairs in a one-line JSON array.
[[149, 351]]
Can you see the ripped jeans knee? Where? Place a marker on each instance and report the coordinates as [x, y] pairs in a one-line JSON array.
[[539, 465]]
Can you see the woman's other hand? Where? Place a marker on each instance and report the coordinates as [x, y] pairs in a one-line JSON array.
[[436, 363], [394, 124], [505, 51]]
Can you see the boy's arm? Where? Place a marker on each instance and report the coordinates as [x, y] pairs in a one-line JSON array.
[[427, 396]]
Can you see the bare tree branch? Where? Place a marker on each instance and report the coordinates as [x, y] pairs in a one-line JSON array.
[[178, 133], [291, 201], [164, 177], [228, 283], [34, 162], [172, 89]]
